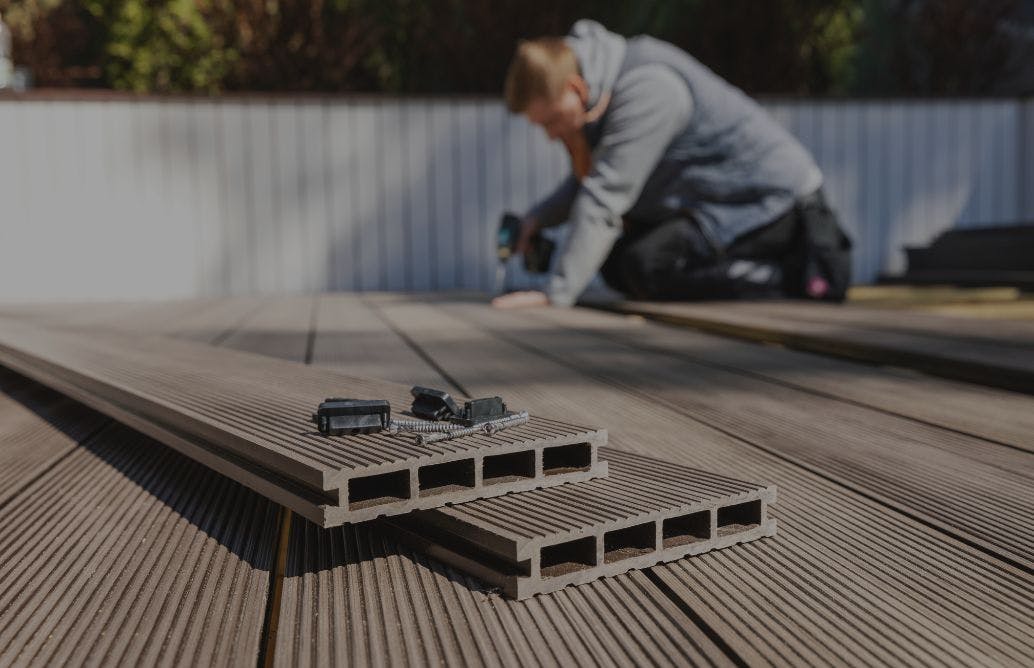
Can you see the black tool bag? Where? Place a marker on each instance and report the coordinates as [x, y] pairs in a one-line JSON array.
[[819, 267]]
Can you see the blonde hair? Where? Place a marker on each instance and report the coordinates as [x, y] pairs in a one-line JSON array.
[[538, 70]]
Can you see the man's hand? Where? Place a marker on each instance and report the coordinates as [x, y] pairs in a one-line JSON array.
[[529, 226], [522, 299]]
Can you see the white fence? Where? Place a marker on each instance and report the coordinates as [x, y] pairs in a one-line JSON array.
[[171, 198]]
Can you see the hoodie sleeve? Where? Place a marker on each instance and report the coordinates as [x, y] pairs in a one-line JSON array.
[[554, 209], [651, 105]]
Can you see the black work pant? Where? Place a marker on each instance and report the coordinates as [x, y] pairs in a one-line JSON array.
[[675, 260]]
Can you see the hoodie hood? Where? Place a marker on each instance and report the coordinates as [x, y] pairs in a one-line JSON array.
[[600, 54]]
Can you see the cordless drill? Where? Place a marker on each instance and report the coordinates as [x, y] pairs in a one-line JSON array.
[[540, 249]]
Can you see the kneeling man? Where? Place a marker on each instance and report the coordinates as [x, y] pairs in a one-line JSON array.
[[682, 187]]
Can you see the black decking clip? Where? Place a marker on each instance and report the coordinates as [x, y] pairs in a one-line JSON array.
[[433, 404], [477, 411], [340, 417], [437, 405]]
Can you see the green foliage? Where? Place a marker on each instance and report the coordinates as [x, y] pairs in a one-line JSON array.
[[161, 46], [937, 47], [460, 46]]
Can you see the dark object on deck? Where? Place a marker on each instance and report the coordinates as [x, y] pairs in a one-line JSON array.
[[974, 257], [432, 404], [540, 251], [477, 411], [342, 417]]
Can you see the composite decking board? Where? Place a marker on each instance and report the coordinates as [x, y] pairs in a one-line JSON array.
[[1009, 366], [990, 413], [352, 339], [979, 491], [1018, 310], [911, 296], [37, 427], [212, 320], [257, 408], [127, 553], [75, 313], [354, 596], [279, 327], [153, 317], [1020, 279], [645, 512], [1009, 334], [866, 585]]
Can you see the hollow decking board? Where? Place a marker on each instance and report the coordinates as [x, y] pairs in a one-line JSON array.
[[352, 594], [645, 512], [254, 408], [847, 580], [972, 489], [126, 553], [984, 361]]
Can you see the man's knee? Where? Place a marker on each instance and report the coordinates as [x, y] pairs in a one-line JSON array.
[[647, 264]]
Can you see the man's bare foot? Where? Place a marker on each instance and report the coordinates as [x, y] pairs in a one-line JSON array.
[[522, 299]]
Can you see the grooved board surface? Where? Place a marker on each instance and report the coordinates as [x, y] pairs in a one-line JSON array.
[[127, 553], [351, 338], [975, 489], [921, 325], [258, 410], [847, 580], [871, 566], [353, 596], [997, 354], [988, 413], [37, 428]]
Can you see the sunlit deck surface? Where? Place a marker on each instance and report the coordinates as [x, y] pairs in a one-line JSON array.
[[905, 478]]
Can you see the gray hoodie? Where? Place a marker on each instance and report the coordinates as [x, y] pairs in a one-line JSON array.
[[675, 140]]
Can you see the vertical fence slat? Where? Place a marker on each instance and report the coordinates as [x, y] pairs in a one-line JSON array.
[[496, 186], [418, 174], [311, 181], [340, 199], [469, 222], [367, 216], [236, 203], [14, 209], [162, 199], [392, 191], [444, 221]]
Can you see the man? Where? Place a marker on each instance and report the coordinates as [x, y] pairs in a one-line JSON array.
[[682, 187]]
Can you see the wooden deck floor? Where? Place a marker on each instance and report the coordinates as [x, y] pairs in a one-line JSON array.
[[905, 531]]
